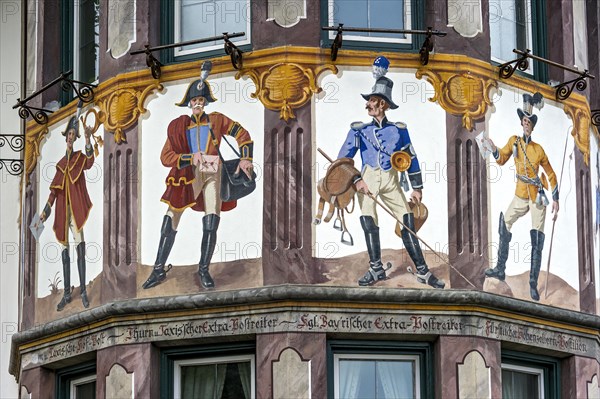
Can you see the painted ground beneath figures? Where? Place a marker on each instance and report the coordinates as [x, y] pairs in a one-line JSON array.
[[347, 270], [234, 275]]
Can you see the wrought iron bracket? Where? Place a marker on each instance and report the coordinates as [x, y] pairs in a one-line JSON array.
[[596, 117], [233, 52], [508, 69], [83, 91], [13, 166], [426, 48], [563, 90], [230, 49], [16, 142]]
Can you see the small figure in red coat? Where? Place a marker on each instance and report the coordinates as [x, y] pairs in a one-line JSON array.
[[68, 191], [194, 180]]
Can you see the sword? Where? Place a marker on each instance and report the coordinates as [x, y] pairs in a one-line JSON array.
[[385, 208]]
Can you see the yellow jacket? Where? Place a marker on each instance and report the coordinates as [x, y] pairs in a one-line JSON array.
[[537, 157]]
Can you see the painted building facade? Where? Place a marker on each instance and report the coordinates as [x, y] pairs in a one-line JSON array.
[[127, 234]]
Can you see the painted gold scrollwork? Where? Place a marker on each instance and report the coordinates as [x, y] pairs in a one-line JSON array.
[[122, 108], [285, 86], [32, 150], [463, 94], [581, 129]]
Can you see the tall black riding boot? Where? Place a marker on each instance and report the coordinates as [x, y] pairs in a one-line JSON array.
[[376, 271], [167, 238], [81, 270], [66, 261], [537, 244], [414, 251], [210, 224], [505, 237]]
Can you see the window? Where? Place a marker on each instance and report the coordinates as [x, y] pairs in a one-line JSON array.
[[84, 387], [518, 24], [529, 376], [80, 41], [76, 382], [219, 377], [185, 20], [379, 370], [217, 372], [380, 14]]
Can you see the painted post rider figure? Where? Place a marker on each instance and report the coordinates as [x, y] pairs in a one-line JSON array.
[[377, 141], [68, 191], [194, 180], [529, 193]]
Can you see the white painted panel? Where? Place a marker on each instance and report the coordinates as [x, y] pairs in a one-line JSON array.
[[342, 104], [240, 230], [551, 130]]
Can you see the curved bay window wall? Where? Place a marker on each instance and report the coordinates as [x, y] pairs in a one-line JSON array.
[[298, 226]]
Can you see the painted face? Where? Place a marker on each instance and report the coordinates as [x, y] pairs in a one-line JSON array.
[[71, 137], [375, 107], [197, 104], [527, 126]]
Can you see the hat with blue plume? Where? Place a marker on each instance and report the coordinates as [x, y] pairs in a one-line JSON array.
[[383, 86]]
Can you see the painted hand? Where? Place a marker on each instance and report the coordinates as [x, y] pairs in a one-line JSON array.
[[246, 166], [490, 143], [555, 208], [197, 158], [416, 196], [362, 187]]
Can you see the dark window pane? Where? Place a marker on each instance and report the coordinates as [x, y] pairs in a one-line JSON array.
[[86, 391], [88, 40]]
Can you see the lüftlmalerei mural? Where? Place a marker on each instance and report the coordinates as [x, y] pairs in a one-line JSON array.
[[393, 206]]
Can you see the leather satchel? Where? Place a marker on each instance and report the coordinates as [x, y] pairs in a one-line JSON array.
[[233, 185]]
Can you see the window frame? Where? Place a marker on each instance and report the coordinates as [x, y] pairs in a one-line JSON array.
[[422, 352], [69, 37], [549, 368], [73, 384], [412, 43], [169, 357], [537, 38], [168, 27], [197, 361], [67, 376]]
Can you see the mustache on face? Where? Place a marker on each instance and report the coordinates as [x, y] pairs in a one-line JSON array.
[[197, 106]]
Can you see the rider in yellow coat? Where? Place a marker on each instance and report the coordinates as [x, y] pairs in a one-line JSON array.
[[529, 193]]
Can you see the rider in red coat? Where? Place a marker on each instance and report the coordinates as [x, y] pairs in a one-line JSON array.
[[68, 192]]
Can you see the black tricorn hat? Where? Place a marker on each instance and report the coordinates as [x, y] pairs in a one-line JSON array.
[[73, 124], [382, 88], [199, 87]]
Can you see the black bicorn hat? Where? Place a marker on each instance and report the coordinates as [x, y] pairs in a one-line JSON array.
[[530, 101], [382, 88], [199, 87]]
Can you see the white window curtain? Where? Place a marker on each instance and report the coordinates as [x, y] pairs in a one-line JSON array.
[[396, 379]]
